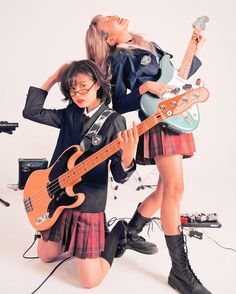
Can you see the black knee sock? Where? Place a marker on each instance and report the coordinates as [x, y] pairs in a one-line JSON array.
[[111, 242]]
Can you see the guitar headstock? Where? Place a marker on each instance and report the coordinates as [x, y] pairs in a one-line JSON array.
[[181, 103], [200, 23]]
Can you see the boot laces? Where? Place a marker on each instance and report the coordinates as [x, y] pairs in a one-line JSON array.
[[135, 237], [191, 276], [151, 223]]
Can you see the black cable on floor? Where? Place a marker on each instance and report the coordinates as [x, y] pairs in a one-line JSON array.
[[36, 236], [51, 273], [227, 248]]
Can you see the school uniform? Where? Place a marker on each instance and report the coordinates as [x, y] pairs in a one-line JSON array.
[[130, 69], [81, 230]]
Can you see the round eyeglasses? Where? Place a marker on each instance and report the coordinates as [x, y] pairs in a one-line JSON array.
[[81, 91]]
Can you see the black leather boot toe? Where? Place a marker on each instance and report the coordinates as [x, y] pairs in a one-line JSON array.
[[136, 242], [139, 244], [182, 277]]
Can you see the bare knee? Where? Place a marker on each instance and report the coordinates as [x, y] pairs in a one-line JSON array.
[[90, 282], [175, 190], [179, 188], [47, 258], [47, 255]]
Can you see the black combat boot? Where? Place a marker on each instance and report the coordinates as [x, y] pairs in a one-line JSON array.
[[182, 277], [122, 244], [136, 242], [106, 229]]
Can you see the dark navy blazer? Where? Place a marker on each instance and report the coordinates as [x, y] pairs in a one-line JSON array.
[[69, 121], [128, 73]]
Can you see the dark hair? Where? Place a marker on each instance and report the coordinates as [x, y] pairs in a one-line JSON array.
[[89, 68]]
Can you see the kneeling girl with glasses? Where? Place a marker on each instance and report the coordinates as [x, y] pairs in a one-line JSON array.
[[80, 231]]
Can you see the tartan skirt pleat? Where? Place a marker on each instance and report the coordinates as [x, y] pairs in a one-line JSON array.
[[161, 142], [81, 233]]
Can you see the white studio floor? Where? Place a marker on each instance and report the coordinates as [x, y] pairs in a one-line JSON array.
[[133, 273]]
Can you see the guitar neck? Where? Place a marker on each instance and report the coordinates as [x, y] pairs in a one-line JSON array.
[[188, 57], [71, 176]]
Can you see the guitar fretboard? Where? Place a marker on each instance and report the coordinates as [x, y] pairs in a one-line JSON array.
[[71, 177], [188, 57]]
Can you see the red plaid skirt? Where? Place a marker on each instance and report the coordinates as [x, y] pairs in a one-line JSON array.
[[160, 141], [81, 233]]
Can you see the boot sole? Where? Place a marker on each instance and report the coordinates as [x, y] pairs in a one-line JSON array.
[[142, 251], [172, 283]]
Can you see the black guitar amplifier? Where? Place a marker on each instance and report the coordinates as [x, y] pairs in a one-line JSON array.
[[27, 166]]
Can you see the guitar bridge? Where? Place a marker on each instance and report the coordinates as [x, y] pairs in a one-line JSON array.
[[28, 205]]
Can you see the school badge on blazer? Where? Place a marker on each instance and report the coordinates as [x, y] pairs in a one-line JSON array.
[[96, 140], [146, 59]]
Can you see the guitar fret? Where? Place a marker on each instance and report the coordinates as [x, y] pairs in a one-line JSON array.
[[100, 156], [147, 124], [71, 176], [188, 57]]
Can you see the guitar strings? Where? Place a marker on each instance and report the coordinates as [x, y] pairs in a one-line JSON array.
[[39, 195], [54, 184], [55, 187]]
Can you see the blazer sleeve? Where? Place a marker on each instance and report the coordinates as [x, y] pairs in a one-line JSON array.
[[118, 173], [34, 110], [122, 101]]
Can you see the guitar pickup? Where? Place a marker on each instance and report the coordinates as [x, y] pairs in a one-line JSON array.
[[187, 87], [28, 205]]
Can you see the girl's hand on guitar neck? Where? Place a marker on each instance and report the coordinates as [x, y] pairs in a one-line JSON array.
[[200, 40], [128, 143], [54, 78], [154, 88]]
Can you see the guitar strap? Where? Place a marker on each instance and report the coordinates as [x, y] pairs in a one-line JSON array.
[[160, 52], [91, 137]]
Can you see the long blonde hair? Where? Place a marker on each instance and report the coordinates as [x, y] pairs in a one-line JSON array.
[[100, 52]]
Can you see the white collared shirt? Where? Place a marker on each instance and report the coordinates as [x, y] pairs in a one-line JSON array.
[[91, 113]]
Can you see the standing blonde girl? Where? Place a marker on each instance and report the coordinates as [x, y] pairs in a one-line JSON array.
[[132, 63]]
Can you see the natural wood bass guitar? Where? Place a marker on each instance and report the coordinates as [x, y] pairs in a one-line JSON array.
[[48, 192]]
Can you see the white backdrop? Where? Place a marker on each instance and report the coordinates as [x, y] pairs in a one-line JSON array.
[[38, 36]]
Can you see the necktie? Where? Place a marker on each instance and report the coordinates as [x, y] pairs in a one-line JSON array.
[[85, 119]]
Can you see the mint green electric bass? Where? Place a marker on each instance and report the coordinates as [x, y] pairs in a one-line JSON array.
[[189, 120]]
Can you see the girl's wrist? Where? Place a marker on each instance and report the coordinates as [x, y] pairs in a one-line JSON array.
[[126, 163], [47, 85], [143, 88]]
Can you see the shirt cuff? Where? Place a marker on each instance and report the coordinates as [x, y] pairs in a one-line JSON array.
[[129, 168]]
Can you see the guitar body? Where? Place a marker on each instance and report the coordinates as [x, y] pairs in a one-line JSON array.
[[183, 123], [44, 196]]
